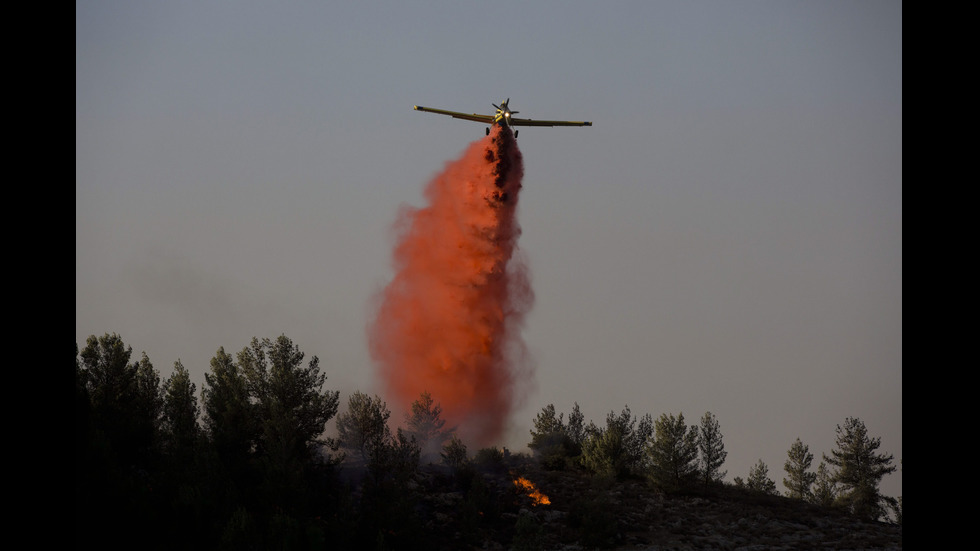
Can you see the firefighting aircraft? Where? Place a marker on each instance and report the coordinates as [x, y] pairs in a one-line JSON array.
[[502, 117]]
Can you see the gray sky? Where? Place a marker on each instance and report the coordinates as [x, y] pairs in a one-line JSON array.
[[726, 238]]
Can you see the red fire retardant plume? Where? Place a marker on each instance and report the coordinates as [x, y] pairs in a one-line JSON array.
[[449, 322]]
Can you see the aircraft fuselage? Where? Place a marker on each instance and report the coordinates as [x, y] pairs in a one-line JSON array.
[[503, 117]]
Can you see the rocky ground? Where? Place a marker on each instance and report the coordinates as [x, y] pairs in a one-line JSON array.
[[484, 509]]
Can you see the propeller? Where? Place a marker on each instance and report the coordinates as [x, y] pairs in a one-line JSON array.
[[504, 104]]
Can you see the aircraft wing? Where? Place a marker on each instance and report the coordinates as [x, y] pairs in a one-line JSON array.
[[486, 119], [531, 122]]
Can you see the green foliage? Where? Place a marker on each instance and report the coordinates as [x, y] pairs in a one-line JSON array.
[[287, 413], [256, 477], [618, 449], [635, 434], [397, 458], [125, 398], [860, 469], [363, 428], [576, 426], [712, 448], [759, 480], [107, 374], [551, 441], [800, 480], [426, 425], [387, 509], [825, 490], [148, 409], [231, 419], [557, 457], [388, 506], [251, 481], [602, 453], [454, 453], [117, 439], [490, 459], [548, 428], [180, 411], [293, 408], [673, 453]]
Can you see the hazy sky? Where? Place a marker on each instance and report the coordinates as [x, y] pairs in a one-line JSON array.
[[726, 238]]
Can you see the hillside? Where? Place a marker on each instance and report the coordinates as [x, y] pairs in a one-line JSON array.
[[484, 509]]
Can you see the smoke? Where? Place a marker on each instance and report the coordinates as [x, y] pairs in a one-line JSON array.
[[449, 322]]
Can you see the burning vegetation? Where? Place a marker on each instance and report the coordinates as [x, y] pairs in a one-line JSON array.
[[528, 487]]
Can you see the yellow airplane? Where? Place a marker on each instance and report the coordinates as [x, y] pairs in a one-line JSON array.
[[502, 117]]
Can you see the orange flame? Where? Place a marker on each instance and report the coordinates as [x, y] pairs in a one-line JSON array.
[[528, 487]]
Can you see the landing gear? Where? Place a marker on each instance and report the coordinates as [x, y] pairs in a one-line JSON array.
[[515, 134], [488, 130]]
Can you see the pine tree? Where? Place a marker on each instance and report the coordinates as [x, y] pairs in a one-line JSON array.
[[550, 441], [363, 428], [454, 453], [712, 448], [425, 424], [635, 433], [147, 412], [229, 416], [118, 443], [180, 412], [110, 382], [549, 428], [759, 480], [673, 452], [125, 398], [576, 426], [107, 374], [293, 408], [602, 452], [799, 481], [825, 490], [619, 448], [860, 470]]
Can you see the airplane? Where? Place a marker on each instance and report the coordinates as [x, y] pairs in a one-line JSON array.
[[502, 117]]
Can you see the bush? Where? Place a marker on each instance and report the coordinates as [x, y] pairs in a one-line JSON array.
[[490, 459], [454, 453], [602, 453]]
